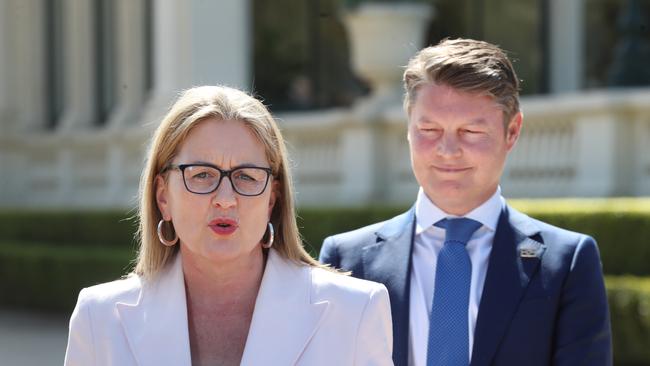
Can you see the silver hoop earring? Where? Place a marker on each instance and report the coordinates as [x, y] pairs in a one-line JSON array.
[[161, 237], [269, 242]]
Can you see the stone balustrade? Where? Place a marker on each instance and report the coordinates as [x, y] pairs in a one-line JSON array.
[[593, 144]]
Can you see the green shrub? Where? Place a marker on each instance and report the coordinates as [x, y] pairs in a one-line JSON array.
[[629, 301], [623, 235], [48, 277], [95, 228], [621, 226]]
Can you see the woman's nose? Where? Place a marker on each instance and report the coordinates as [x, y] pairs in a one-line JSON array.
[[225, 195]]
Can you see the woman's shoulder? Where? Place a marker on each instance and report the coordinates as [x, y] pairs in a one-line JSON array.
[[123, 290], [338, 283]]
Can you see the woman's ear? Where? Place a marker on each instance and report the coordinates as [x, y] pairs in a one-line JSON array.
[[275, 194], [162, 198]]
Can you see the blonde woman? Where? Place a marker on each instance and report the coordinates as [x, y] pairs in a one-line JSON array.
[[222, 277]]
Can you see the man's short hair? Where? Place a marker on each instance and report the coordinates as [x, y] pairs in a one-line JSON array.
[[466, 65]]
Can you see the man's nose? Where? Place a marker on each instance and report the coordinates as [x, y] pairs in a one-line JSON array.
[[448, 145]]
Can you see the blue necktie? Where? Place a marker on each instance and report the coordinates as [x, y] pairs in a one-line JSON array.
[[448, 329]]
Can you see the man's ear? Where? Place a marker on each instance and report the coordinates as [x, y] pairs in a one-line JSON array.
[[162, 198], [513, 130]]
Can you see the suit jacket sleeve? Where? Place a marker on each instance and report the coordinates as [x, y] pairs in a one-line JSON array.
[[80, 350], [329, 253], [374, 338], [582, 334]]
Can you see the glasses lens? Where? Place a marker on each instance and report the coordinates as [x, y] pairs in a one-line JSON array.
[[249, 181], [201, 179]]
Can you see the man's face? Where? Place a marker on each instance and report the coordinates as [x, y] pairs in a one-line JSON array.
[[458, 145]]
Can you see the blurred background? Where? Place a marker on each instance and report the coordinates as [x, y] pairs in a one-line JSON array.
[[84, 82]]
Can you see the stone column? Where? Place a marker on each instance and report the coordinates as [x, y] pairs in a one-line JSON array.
[[567, 46], [80, 76], [25, 38], [198, 42], [130, 59], [4, 66], [221, 44]]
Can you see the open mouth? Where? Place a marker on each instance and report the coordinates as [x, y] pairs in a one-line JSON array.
[[223, 226]]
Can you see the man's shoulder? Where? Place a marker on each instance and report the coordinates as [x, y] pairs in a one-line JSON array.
[[554, 237], [371, 233], [360, 235]]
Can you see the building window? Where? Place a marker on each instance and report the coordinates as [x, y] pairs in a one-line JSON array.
[[617, 43], [301, 55], [494, 21]]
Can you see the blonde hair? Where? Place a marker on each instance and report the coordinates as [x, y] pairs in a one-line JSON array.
[[193, 106], [466, 65]]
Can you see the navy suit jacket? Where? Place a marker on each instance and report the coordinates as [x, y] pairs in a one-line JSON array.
[[543, 302]]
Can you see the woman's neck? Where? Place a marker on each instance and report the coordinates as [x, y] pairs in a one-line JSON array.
[[214, 284]]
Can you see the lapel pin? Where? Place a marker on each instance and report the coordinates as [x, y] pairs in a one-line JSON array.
[[530, 249]]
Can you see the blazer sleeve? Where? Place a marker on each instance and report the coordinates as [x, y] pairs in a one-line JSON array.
[[80, 349], [329, 253], [582, 333], [375, 335]]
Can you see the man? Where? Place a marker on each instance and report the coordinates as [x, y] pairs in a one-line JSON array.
[[471, 280]]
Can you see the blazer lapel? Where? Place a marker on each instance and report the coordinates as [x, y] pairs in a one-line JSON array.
[[156, 325], [285, 316], [388, 261], [513, 261]]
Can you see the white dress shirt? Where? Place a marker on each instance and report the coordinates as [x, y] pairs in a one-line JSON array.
[[428, 241]]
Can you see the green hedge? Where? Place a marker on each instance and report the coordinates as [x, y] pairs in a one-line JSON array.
[[47, 277], [629, 299], [622, 231], [95, 228], [621, 227]]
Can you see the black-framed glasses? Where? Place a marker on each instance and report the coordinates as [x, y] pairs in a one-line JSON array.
[[203, 178]]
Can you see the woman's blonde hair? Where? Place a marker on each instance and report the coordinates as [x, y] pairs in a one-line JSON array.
[[192, 107]]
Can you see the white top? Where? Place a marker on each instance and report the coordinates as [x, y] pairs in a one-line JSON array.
[[428, 241], [303, 316]]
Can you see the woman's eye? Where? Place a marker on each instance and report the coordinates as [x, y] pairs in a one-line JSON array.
[[202, 175], [245, 177]]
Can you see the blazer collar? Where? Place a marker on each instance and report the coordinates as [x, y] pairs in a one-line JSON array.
[[287, 314], [514, 259], [388, 261], [156, 324]]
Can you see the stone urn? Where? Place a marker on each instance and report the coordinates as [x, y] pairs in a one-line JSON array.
[[383, 37]]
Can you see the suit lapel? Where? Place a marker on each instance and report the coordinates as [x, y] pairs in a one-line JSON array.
[[156, 325], [388, 261], [513, 261], [285, 316]]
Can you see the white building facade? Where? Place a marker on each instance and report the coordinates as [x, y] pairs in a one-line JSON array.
[[83, 84]]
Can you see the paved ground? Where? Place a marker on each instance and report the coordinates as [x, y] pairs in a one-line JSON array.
[[32, 339]]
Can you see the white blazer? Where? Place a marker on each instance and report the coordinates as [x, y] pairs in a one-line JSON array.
[[303, 316]]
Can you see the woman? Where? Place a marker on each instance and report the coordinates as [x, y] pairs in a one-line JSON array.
[[221, 275]]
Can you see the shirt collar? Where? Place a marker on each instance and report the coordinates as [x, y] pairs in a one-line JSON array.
[[427, 213]]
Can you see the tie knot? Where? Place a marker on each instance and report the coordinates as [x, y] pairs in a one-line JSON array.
[[458, 230]]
